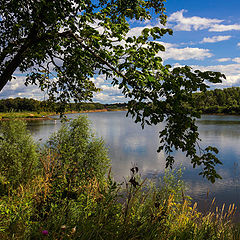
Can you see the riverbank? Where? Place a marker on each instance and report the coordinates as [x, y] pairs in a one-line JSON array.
[[26, 115], [45, 115], [48, 115]]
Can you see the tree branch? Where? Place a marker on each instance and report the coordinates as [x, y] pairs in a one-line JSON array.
[[8, 48], [53, 62], [80, 41], [16, 61], [18, 58]]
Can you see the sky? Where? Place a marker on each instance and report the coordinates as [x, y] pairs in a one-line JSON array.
[[206, 36]]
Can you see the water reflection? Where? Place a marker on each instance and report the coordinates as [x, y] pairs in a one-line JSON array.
[[42, 129], [128, 144]]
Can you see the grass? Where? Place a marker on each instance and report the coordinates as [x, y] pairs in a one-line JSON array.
[[24, 115], [46, 115], [110, 211]]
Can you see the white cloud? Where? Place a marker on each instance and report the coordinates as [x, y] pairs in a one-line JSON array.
[[237, 59], [99, 80], [223, 28], [185, 53], [231, 71], [140, 22], [215, 39], [111, 89], [224, 59], [16, 88], [167, 45], [238, 44], [106, 98], [109, 93], [189, 23], [232, 80], [199, 23], [136, 31]]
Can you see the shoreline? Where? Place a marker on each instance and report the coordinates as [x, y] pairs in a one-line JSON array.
[[47, 116], [221, 114]]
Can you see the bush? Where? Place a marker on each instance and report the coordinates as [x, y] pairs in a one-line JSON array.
[[80, 154], [18, 154]]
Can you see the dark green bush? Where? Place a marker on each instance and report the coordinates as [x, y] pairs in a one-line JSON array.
[[18, 154], [80, 153]]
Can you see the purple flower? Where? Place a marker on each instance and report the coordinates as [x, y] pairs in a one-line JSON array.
[[45, 232]]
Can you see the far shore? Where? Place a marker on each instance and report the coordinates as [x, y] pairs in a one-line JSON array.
[[27, 116]]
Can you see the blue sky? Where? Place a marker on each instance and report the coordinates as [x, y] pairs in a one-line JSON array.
[[206, 36]]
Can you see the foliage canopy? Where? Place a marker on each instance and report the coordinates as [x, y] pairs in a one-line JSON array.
[[64, 43]]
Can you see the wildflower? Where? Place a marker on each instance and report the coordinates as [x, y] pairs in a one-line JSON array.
[[73, 230], [45, 232], [63, 227]]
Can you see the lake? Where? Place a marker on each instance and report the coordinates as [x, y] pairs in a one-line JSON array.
[[129, 145]]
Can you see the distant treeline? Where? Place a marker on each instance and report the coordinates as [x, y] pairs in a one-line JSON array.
[[32, 105], [226, 101]]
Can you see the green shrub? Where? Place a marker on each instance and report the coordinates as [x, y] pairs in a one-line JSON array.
[[80, 153], [18, 154]]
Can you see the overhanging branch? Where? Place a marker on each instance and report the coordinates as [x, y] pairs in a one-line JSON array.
[[80, 41], [17, 59]]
